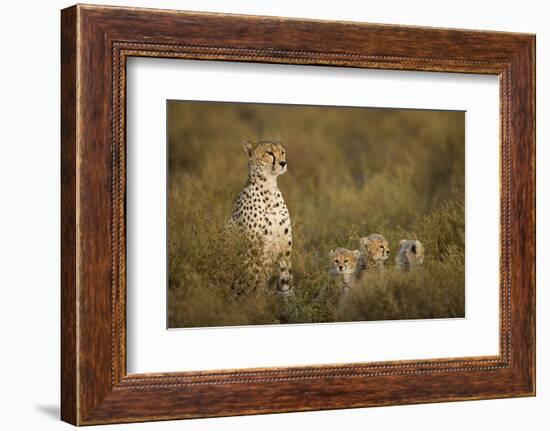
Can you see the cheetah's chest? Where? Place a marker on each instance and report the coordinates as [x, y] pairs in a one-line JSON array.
[[265, 216]]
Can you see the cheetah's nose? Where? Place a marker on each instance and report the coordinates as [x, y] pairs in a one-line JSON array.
[[283, 164], [341, 267]]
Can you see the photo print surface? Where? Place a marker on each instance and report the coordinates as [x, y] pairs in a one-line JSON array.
[[289, 214]]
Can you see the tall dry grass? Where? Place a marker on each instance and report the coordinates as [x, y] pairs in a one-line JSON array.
[[351, 172]]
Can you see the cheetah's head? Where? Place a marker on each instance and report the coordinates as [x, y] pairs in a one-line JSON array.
[[411, 252], [344, 261], [266, 158], [375, 247]]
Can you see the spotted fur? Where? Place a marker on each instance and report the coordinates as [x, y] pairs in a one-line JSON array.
[[260, 210]]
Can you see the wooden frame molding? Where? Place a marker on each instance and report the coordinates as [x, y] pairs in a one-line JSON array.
[[95, 43]]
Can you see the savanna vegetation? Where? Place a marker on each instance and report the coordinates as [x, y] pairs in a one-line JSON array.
[[351, 172]]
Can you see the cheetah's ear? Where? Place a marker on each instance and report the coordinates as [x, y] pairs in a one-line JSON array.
[[357, 254], [403, 241], [331, 253], [249, 147]]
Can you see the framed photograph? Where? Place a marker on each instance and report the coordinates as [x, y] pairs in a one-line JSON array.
[[266, 215]]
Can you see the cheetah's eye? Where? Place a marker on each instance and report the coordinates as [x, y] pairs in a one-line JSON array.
[[346, 261], [382, 247], [336, 261]]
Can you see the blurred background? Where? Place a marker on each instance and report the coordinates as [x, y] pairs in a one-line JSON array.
[[351, 172]]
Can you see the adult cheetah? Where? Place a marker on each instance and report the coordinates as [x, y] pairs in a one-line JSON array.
[[260, 211]]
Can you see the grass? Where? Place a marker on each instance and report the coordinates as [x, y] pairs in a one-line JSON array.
[[352, 172]]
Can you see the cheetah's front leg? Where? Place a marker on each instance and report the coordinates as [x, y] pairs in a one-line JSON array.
[[285, 274]]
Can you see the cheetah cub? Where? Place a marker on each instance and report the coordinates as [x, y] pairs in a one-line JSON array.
[[261, 213], [346, 266], [410, 255], [375, 251]]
